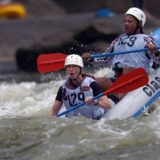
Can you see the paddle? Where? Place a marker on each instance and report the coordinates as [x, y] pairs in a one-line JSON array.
[[124, 84], [50, 62], [55, 62]]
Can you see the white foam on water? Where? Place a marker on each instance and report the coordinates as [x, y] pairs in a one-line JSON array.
[[27, 98]]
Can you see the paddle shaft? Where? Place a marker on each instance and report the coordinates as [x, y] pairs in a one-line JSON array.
[[105, 54]]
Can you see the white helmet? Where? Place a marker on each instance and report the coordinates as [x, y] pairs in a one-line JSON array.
[[74, 59], [137, 13]]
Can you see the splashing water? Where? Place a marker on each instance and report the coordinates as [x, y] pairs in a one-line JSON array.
[[26, 131]]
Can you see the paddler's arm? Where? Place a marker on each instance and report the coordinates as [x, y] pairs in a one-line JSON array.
[[155, 54], [88, 59], [152, 47], [102, 101], [57, 104], [55, 108]]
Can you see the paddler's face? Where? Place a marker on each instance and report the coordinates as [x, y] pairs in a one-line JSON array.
[[130, 24], [73, 71]]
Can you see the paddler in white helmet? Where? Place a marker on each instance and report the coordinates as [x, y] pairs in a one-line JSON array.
[[132, 39], [78, 89]]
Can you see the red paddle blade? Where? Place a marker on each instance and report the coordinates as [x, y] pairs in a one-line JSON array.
[[50, 62], [128, 82]]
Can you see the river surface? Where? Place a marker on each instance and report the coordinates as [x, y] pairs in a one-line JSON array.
[[27, 133]]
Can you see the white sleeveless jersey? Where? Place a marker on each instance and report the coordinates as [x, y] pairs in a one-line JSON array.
[[77, 96], [132, 42]]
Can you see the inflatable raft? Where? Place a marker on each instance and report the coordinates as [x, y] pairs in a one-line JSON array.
[[137, 102]]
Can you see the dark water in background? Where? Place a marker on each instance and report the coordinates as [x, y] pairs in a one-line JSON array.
[[26, 131]]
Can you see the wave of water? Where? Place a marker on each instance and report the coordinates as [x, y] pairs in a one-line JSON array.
[[26, 131], [43, 138]]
